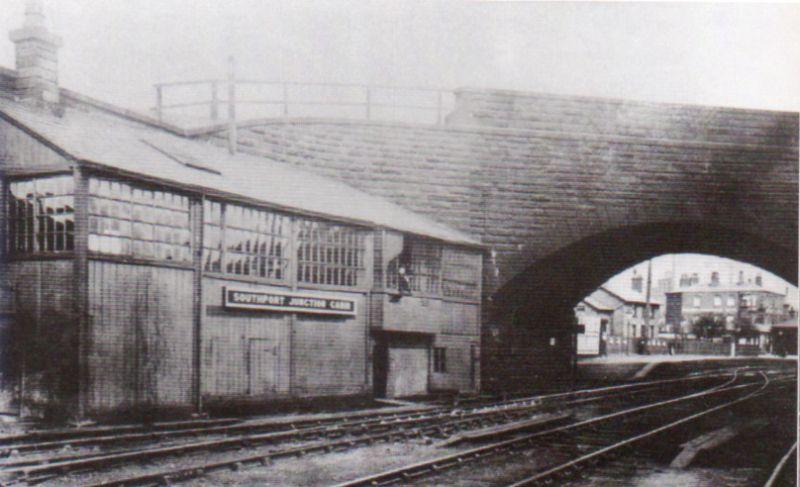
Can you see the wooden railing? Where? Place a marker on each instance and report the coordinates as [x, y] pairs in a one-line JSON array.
[[217, 100]]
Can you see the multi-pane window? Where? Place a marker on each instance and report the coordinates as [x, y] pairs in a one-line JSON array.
[[426, 261], [460, 273], [255, 241], [418, 266], [41, 215], [440, 359], [429, 267], [130, 220], [329, 254]]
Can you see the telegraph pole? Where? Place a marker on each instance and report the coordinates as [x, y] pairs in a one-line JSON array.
[[647, 308], [232, 105]]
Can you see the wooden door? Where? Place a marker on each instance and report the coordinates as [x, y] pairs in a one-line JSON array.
[[262, 366], [408, 371]]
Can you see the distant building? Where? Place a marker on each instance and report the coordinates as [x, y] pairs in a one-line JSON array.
[[614, 314], [740, 308]]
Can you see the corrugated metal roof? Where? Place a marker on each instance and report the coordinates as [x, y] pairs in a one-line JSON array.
[[97, 137]]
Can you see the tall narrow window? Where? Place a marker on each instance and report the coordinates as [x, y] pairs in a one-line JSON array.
[[212, 236], [426, 262], [41, 215], [255, 242], [132, 220], [440, 360], [329, 254]]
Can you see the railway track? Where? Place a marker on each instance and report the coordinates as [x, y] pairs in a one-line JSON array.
[[40, 441], [783, 474], [602, 432], [371, 428]]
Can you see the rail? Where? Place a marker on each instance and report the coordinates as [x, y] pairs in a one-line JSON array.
[[286, 99], [366, 430], [406, 473], [779, 468]]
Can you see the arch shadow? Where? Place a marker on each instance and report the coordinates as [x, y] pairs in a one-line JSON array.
[[527, 337]]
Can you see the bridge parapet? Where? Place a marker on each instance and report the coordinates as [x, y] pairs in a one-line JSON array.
[[203, 102]]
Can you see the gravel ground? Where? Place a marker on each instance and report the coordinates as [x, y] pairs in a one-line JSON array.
[[319, 470]]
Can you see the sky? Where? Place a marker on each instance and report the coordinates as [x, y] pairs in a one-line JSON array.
[[740, 55], [732, 54], [676, 264]]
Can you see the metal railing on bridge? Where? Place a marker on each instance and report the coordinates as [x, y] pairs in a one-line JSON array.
[[219, 100]]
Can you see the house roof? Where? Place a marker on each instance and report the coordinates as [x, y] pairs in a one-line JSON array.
[[598, 304], [630, 297], [97, 137]]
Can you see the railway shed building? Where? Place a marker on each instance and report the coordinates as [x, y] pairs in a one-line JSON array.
[[148, 270]]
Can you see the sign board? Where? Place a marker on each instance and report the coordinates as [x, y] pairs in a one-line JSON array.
[[674, 312], [287, 301]]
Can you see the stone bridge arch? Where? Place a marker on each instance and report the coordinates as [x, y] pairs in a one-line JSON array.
[[537, 304]]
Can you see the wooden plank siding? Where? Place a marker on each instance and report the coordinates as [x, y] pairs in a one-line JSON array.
[[329, 353], [226, 343], [462, 371], [18, 149], [325, 357], [140, 337], [454, 325], [45, 332]]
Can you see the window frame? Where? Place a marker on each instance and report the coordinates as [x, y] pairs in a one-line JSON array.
[[39, 235], [166, 204], [457, 260], [334, 255], [227, 227]]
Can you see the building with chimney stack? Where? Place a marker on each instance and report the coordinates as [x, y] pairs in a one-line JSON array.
[[146, 270]]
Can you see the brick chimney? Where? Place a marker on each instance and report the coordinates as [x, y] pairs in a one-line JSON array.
[[37, 56]]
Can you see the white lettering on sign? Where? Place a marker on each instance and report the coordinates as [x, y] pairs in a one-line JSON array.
[[285, 301], [309, 303], [342, 305]]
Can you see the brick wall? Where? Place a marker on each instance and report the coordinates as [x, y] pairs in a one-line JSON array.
[[621, 118]]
